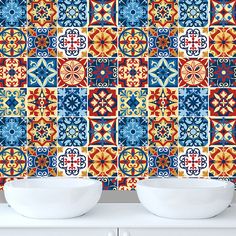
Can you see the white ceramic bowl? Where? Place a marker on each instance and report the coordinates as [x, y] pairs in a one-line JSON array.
[[185, 198], [52, 197]]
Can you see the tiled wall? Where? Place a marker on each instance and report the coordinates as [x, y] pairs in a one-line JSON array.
[[118, 90]]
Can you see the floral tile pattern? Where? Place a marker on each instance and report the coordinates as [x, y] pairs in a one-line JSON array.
[[118, 90]]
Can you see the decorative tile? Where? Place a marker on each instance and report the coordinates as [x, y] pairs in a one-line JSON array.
[[13, 42], [133, 13], [133, 161], [222, 42], [163, 102], [163, 72], [132, 42], [132, 72], [193, 162], [42, 102], [163, 13], [42, 13], [108, 183], [42, 131], [193, 72], [193, 13], [102, 102], [12, 131], [72, 161], [163, 42], [222, 13], [102, 42], [42, 72], [102, 131], [13, 161], [72, 72], [132, 101], [102, 72], [222, 102], [13, 72], [222, 161], [72, 131], [72, 102], [193, 102], [133, 131], [222, 131], [163, 131], [13, 13], [42, 42], [12, 102], [193, 42], [128, 184], [72, 13], [102, 13], [102, 161], [72, 42], [163, 161], [42, 161], [193, 131], [222, 72]]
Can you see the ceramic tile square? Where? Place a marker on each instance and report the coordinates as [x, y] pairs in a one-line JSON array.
[[102, 102], [117, 90], [133, 131], [193, 162], [42, 131], [102, 161], [102, 72], [72, 102], [13, 162], [163, 161], [13, 72], [42, 161], [133, 13], [163, 72], [72, 72], [222, 72], [42, 72], [13, 13], [132, 162], [72, 131], [13, 102], [163, 102], [13, 131], [72, 161], [133, 72], [193, 72]]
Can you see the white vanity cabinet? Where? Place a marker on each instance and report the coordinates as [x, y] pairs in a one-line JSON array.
[[116, 220]]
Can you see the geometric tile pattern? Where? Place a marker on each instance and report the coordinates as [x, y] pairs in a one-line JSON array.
[[117, 90]]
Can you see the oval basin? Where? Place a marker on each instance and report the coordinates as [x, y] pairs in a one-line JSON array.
[[52, 197], [185, 198]]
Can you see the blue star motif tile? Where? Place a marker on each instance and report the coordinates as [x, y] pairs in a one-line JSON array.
[[72, 131], [193, 131], [133, 13], [193, 13], [13, 13], [193, 102], [72, 13], [72, 102], [42, 72], [12, 131], [163, 72], [133, 131]]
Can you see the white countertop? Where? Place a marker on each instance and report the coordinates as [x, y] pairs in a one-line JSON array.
[[106, 215]]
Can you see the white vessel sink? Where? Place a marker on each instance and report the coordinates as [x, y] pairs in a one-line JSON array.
[[52, 197], [185, 198]]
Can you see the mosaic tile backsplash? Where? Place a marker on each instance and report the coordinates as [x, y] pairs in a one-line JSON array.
[[117, 90]]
